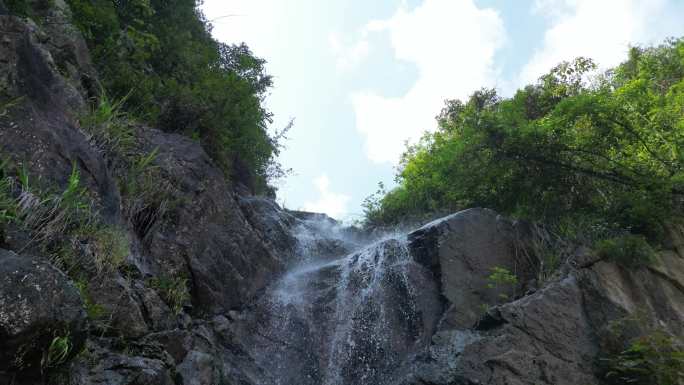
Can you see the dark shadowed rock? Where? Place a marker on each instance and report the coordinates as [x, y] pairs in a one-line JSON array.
[[101, 364], [37, 304], [272, 223], [205, 237], [41, 132]]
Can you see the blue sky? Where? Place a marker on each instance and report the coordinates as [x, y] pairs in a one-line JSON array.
[[361, 78]]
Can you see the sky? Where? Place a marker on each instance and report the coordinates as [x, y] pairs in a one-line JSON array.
[[363, 78]]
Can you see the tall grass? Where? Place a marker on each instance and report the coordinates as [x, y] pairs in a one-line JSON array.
[[49, 216], [147, 195], [108, 126]]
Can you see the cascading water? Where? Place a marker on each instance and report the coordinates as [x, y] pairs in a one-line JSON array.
[[343, 317]]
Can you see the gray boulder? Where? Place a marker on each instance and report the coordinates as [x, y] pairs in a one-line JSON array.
[[555, 335], [462, 250], [37, 305]]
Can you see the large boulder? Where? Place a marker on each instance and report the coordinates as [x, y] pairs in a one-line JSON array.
[[558, 334], [462, 251], [639, 301], [543, 338], [38, 304]]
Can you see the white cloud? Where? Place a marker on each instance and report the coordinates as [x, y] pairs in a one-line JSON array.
[[452, 43], [331, 203], [348, 56], [253, 22], [602, 30]]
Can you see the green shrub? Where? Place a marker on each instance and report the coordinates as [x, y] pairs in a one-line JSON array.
[[628, 250], [173, 290], [653, 359], [19, 7]]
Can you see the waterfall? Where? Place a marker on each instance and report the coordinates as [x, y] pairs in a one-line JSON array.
[[345, 312]]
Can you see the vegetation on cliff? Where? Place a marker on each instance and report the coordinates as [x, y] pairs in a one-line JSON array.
[[159, 57], [603, 150]]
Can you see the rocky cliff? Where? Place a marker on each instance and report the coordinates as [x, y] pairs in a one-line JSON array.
[[218, 287]]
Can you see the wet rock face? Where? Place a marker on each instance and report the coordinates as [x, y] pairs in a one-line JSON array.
[[346, 320], [37, 304]]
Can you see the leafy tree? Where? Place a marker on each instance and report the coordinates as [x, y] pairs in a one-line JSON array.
[[573, 145]]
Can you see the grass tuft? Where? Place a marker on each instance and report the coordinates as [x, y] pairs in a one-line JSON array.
[[174, 291], [108, 125]]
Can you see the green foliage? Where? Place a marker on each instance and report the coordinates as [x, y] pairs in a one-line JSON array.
[[502, 280], [19, 7], [628, 250], [605, 152], [57, 353], [160, 57], [94, 310], [7, 105], [653, 359], [173, 290]]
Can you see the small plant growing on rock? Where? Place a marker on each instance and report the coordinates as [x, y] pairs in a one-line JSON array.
[[501, 280], [51, 215], [57, 353], [8, 205], [94, 310], [174, 291], [110, 247]]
